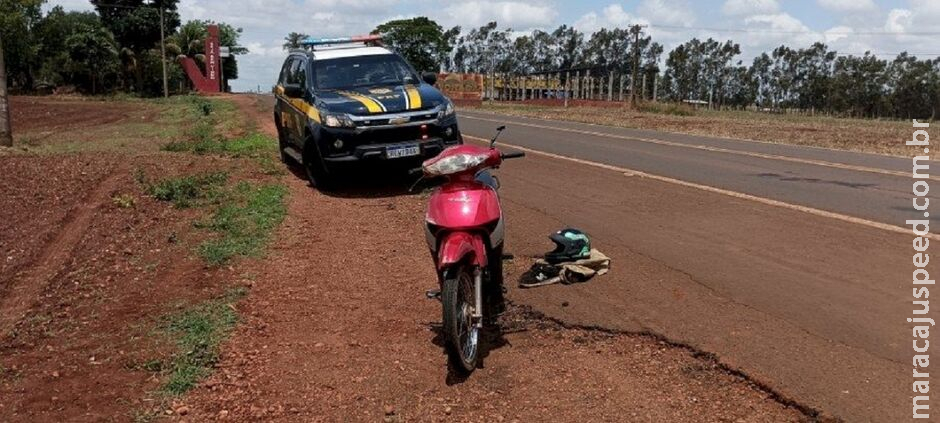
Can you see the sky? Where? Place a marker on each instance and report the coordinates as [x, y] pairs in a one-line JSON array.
[[884, 27]]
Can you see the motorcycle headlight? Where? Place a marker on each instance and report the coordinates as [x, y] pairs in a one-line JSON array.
[[453, 164], [338, 120], [447, 111]]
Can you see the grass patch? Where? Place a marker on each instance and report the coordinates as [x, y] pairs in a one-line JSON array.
[[244, 222], [198, 332], [253, 145], [211, 119], [187, 191]]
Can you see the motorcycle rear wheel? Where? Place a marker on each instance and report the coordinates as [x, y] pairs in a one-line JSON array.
[[460, 331]]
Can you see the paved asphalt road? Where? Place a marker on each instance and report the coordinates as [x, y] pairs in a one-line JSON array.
[[869, 186], [810, 305]]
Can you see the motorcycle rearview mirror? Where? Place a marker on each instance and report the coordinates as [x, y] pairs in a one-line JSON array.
[[499, 130]]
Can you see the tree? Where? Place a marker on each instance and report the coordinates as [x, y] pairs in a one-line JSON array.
[[859, 85], [701, 70], [136, 28], [682, 71], [421, 41], [136, 23], [913, 84], [569, 46], [92, 52], [543, 50], [53, 30], [610, 50], [483, 50], [292, 40], [17, 19], [815, 65], [6, 134]]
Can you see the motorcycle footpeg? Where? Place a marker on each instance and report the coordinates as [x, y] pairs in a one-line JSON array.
[[433, 294]]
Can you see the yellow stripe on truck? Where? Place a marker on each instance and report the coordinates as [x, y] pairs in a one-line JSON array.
[[414, 97], [299, 104], [371, 105]]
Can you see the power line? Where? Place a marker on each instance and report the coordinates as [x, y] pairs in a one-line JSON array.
[[778, 31], [887, 54]]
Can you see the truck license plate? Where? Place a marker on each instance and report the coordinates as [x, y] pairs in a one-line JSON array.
[[402, 151]]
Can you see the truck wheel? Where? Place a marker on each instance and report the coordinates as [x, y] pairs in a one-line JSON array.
[[282, 144], [313, 166]]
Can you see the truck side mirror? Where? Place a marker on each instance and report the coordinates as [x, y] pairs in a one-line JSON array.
[[429, 77]]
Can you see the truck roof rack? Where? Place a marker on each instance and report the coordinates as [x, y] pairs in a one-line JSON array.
[[313, 43]]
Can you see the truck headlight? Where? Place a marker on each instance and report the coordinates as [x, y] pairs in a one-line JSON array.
[[447, 111], [338, 120]]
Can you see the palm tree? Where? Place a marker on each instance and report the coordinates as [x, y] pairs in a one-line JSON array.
[[293, 40], [190, 39]]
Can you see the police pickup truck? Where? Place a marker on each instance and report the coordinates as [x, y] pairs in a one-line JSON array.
[[347, 102]]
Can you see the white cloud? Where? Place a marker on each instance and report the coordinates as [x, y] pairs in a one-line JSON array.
[[848, 6], [837, 33], [79, 5], [750, 7], [899, 20], [926, 14], [517, 15], [669, 12], [612, 16]]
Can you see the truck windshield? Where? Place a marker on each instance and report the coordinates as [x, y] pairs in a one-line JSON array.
[[362, 71]]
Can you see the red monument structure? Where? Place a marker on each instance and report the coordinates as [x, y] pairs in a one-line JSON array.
[[210, 81]]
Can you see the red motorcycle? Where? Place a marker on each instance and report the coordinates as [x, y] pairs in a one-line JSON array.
[[464, 231]]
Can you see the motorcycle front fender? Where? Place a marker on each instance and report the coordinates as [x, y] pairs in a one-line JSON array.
[[457, 247]]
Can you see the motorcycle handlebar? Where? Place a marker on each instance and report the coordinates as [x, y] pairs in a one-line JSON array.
[[513, 155]]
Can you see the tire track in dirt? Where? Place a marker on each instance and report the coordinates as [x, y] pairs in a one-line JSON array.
[[23, 290]]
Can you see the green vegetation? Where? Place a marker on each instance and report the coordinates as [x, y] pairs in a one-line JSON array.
[[214, 118], [114, 48], [253, 145], [197, 332], [244, 223], [187, 191], [239, 217], [245, 214], [420, 40]]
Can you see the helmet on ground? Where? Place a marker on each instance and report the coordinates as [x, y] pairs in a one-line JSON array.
[[570, 245]]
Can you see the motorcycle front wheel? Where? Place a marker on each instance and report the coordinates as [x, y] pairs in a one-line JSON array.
[[461, 334]]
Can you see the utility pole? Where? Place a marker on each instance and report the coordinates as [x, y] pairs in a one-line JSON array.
[[636, 61], [6, 134], [166, 88]]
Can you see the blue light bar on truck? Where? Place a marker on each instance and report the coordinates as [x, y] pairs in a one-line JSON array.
[[340, 40]]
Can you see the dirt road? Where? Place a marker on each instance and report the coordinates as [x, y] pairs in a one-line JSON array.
[[337, 329]]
